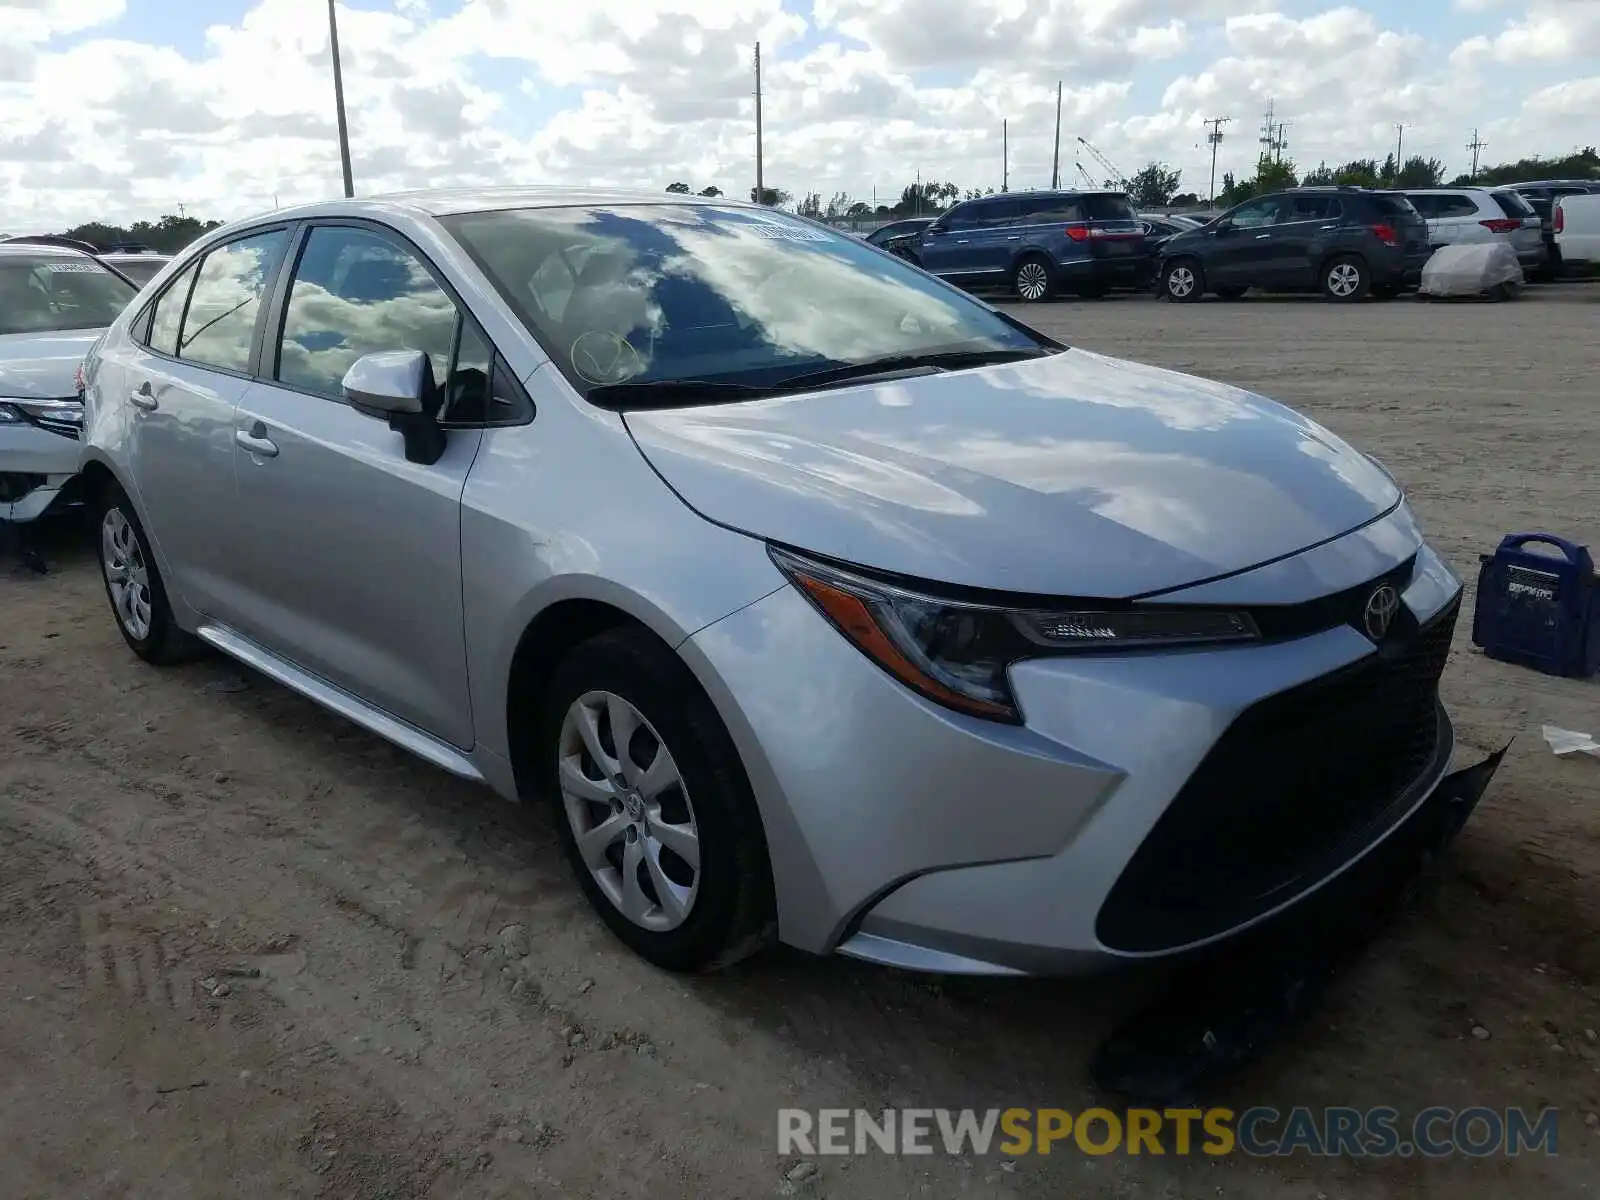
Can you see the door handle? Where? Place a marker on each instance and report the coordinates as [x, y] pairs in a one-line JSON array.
[[144, 397], [1017, 238], [1261, 237], [961, 241], [256, 441], [1330, 227]]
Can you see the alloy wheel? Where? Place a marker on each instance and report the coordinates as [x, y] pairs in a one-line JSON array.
[[1033, 282], [127, 575], [629, 811], [1344, 279], [1180, 283]]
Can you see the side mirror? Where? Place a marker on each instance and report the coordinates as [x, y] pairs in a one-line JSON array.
[[934, 230], [398, 384], [1223, 225]]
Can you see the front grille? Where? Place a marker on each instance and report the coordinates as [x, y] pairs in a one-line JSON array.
[[1296, 785]]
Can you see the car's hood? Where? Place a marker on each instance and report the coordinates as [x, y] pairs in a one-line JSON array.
[[43, 366], [1072, 475]]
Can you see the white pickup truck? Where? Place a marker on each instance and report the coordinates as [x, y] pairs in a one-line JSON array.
[[1577, 228]]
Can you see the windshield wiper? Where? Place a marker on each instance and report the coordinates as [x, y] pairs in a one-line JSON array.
[[952, 360], [670, 393]]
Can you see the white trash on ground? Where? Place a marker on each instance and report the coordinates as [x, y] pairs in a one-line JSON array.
[[1471, 269], [1566, 741]]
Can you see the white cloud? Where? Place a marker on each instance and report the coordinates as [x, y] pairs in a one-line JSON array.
[[860, 95]]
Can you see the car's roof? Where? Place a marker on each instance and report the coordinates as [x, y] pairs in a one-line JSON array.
[[1465, 187], [133, 255], [438, 202], [40, 249]]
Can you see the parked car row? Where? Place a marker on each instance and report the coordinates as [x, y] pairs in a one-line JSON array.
[[679, 514]]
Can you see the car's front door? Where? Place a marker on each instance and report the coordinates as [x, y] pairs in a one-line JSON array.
[[182, 374], [946, 247], [1241, 248], [349, 555]]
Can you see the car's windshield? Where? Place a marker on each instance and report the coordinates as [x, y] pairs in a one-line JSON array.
[[140, 270], [43, 293], [664, 293]]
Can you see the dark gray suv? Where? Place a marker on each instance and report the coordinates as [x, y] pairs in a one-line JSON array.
[[1038, 244]]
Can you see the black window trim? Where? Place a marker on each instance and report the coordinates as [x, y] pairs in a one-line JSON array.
[[266, 367], [140, 329]]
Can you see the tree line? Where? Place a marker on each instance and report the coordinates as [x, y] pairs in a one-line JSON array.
[[1157, 185], [168, 235]]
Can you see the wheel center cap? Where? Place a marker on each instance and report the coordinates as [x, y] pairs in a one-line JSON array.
[[634, 804]]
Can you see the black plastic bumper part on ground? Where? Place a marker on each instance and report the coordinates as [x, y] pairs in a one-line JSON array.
[[1225, 1006]]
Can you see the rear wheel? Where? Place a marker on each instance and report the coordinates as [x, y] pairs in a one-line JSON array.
[[1033, 280], [1345, 279], [1181, 281], [654, 810]]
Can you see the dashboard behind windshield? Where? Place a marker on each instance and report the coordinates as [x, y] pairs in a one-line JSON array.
[[55, 293], [666, 293]]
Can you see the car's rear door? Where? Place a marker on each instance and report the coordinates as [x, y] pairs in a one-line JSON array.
[[350, 555], [181, 375], [1304, 236]]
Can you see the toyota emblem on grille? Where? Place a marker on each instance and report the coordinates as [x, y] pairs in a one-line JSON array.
[[1379, 613]]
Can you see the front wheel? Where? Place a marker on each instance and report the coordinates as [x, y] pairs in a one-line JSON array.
[[654, 810], [134, 586], [1181, 281], [1345, 279]]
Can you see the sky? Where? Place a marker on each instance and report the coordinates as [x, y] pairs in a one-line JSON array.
[[120, 110]]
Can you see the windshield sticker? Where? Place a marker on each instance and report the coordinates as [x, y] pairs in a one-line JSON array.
[[72, 268], [784, 233]]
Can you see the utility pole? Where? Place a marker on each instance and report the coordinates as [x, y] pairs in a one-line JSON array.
[[1005, 156], [1055, 163], [761, 189], [1214, 136], [1399, 145], [1272, 137], [338, 101], [1475, 145]]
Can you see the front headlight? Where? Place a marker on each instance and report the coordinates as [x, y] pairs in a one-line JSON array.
[[958, 653], [68, 412]]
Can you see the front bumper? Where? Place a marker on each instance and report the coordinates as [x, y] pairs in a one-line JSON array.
[[36, 468], [905, 834]]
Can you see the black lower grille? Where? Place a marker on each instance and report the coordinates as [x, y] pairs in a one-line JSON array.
[[1295, 786]]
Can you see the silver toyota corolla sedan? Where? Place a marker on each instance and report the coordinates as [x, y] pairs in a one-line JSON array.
[[823, 601]]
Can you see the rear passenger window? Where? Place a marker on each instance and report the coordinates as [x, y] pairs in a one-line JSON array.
[[1313, 208], [1455, 205], [1051, 209], [356, 292], [168, 314], [220, 323]]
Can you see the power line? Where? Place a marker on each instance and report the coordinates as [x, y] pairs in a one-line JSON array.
[[1055, 163], [1475, 145], [1214, 136], [338, 101], [761, 192]]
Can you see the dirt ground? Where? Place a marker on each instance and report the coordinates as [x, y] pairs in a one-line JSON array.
[[248, 950]]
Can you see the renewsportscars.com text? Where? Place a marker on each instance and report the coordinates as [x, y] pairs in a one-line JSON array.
[[1317, 1132]]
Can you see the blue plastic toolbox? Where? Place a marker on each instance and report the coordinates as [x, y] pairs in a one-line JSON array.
[[1537, 609]]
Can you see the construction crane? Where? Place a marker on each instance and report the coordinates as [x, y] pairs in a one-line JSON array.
[[1117, 177], [1087, 178]]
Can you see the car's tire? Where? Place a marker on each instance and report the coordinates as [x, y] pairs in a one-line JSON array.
[[1345, 279], [1232, 293], [1182, 281], [1033, 279], [679, 915], [134, 587]]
